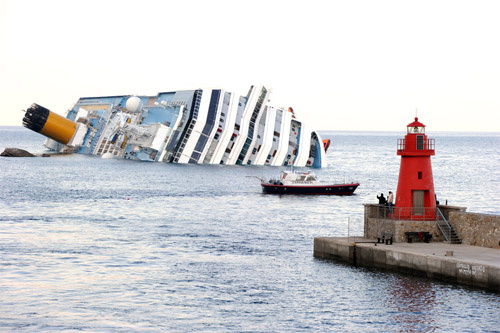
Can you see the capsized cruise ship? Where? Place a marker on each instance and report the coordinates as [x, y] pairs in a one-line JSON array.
[[203, 126]]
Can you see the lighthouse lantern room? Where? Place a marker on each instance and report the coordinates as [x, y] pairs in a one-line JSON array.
[[415, 197]]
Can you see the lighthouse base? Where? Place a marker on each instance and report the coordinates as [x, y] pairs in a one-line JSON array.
[[379, 219], [377, 226]]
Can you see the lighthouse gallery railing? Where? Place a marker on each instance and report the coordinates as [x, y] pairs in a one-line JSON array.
[[418, 144]]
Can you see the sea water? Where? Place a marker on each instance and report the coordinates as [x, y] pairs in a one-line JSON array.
[[91, 244]]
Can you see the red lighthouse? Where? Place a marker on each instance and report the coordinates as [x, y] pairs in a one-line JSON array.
[[415, 198]]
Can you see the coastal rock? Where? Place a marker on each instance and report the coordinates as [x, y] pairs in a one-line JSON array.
[[16, 152]]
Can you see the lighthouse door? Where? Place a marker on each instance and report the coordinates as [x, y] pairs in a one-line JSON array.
[[418, 202], [420, 142]]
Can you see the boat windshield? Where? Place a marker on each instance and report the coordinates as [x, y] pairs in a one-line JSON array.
[[311, 178]]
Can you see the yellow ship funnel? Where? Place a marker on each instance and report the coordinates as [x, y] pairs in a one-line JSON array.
[[41, 120]]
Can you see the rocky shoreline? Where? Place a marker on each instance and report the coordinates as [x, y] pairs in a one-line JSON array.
[[17, 152]]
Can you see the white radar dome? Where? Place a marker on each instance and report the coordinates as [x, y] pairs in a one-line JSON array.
[[134, 104]]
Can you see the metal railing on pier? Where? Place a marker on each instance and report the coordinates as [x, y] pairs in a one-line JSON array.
[[403, 213], [447, 230]]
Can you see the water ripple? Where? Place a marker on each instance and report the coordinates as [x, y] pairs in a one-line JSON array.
[[104, 245]]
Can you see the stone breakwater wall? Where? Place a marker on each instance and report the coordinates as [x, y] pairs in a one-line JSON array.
[[473, 228], [477, 229], [480, 269], [446, 210], [376, 227]]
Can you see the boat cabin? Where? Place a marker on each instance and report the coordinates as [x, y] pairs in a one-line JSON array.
[[298, 177]]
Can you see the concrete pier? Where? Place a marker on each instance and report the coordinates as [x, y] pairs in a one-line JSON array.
[[463, 264]]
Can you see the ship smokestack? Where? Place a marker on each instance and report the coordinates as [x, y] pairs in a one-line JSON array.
[[41, 120]]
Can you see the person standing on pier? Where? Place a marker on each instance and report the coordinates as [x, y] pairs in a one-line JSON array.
[[381, 199], [382, 202], [390, 200]]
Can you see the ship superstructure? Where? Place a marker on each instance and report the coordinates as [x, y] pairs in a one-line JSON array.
[[202, 126]]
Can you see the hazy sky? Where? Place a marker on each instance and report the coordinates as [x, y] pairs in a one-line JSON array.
[[342, 65]]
